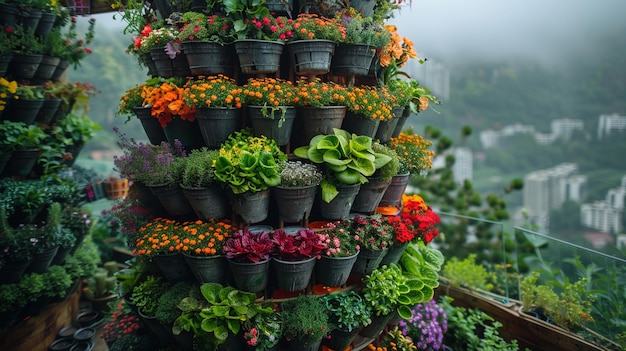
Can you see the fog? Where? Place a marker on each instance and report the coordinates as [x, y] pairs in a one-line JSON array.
[[546, 31]]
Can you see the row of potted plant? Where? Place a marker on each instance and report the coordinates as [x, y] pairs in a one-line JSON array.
[[333, 318], [223, 92]]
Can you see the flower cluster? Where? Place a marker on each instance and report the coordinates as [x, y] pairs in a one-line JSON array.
[[340, 241], [372, 232], [159, 236], [318, 93], [211, 28], [427, 325], [7, 90], [167, 100], [312, 26], [372, 102], [398, 51], [394, 340], [271, 92], [299, 174], [413, 153], [147, 163], [213, 91], [270, 28], [420, 218], [122, 323], [149, 38], [132, 215], [402, 233], [204, 238]]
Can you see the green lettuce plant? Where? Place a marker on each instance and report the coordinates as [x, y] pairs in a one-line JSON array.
[[222, 312], [248, 164], [347, 158]]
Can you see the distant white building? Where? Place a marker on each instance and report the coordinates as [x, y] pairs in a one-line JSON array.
[[601, 216], [548, 189], [563, 128], [606, 216], [609, 123], [559, 129]]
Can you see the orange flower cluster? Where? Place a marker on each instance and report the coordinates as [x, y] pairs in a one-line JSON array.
[[372, 102], [413, 153], [399, 50], [270, 92], [202, 238], [197, 238], [168, 102], [317, 93], [213, 91], [160, 236], [311, 26]]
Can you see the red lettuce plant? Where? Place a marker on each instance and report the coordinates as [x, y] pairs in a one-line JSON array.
[[305, 244], [246, 246]]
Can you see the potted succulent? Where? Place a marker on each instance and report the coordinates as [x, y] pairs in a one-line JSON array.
[[348, 313], [348, 159], [248, 257], [248, 166], [205, 41], [101, 286], [295, 256], [204, 193], [218, 101], [305, 322], [217, 316], [296, 193], [202, 243], [271, 107]]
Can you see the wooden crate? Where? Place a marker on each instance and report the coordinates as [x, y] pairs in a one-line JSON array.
[[37, 333]]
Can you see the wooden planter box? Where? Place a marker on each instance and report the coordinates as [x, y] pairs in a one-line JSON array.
[[530, 332]]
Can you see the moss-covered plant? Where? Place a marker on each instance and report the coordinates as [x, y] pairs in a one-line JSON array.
[[167, 309], [304, 318]]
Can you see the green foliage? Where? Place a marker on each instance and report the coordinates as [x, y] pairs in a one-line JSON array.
[[473, 329], [467, 273], [304, 318], [347, 311], [146, 294], [217, 313], [167, 309], [348, 159], [197, 168]]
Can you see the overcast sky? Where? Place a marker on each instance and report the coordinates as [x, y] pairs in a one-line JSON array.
[[540, 29]]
